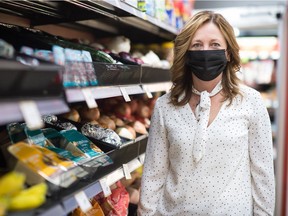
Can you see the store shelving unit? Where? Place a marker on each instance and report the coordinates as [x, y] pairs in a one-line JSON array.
[[22, 83], [104, 19]]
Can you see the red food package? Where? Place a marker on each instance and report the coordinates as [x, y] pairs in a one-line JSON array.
[[117, 203]]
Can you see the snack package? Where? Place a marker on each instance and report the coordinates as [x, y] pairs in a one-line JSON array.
[[75, 72], [36, 137], [62, 162], [20, 132], [90, 71], [76, 139], [16, 132], [61, 144], [15, 196], [95, 211], [117, 203], [48, 164]]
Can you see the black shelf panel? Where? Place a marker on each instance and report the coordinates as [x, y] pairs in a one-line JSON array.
[[155, 75], [117, 74], [41, 84], [24, 81]]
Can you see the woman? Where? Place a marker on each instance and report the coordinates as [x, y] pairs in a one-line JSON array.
[[210, 146]]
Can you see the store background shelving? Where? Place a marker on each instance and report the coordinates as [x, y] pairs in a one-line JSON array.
[[38, 13], [108, 18], [103, 19]]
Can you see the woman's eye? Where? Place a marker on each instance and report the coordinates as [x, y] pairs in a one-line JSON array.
[[197, 45], [216, 45]]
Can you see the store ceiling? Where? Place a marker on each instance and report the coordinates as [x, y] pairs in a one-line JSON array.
[[252, 18]]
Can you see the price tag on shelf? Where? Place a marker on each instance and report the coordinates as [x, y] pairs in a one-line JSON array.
[[83, 201], [141, 158], [144, 16], [137, 163], [125, 94], [126, 171], [147, 91], [105, 187], [89, 98], [31, 114]]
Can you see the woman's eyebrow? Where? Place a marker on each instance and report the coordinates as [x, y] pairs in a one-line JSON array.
[[197, 40], [216, 40]]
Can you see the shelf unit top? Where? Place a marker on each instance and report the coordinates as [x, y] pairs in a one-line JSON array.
[[103, 18]]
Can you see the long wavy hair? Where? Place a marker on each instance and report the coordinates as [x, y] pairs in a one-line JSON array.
[[182, 78]]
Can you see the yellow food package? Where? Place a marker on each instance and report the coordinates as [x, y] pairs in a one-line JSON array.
[[60, 161], [29, 198], [11, 183], [38, 162], [4, 203]]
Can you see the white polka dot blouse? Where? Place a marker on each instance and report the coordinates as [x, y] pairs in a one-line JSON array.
[[234, 177]]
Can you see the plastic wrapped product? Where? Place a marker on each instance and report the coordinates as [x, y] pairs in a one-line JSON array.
[[38, 162], [117, 203], [53, 120], [103, 134]]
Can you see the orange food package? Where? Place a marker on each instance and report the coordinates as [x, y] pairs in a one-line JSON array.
[[95, 211]]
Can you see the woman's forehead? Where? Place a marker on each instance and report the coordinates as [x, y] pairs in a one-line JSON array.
[[208, 31]]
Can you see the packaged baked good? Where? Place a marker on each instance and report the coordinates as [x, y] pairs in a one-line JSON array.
[[102, 134], [53, 120]]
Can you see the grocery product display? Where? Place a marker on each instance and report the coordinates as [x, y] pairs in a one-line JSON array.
[[76, 100], [14, 195], [79, 83]]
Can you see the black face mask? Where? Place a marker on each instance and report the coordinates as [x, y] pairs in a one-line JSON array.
[[206, 64]]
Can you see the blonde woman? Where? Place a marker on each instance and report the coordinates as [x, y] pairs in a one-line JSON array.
[[210, 145]]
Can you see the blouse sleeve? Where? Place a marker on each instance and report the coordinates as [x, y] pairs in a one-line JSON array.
[[261, 158], [155, 166]]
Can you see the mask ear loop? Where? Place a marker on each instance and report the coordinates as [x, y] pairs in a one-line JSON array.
[[227, 54]]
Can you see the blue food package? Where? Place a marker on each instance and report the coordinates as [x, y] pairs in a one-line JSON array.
[[77, 139]]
